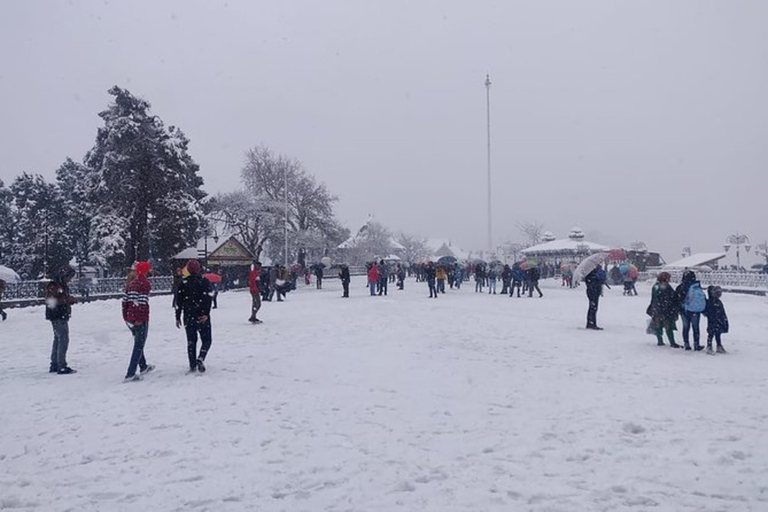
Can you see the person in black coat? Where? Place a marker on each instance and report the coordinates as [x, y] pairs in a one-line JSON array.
[[595, 281], [58, 310], [430, 272], [663, 310], [533, 281], [193, 302], [345, 279], [717, 320]]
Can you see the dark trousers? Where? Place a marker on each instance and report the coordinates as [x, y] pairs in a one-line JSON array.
[[215, 300], [137, 356], [60, 343], [319, 281], [432, 289], [193, 327], [383, 285], [345, 286], [715, 335], [255, 305], [515, 284], [534, 285], [594, 303]]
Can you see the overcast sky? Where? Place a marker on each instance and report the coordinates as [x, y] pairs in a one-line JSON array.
[[635, 120]]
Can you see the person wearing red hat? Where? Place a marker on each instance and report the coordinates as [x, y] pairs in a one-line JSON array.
[[136, 317], [193, 300]]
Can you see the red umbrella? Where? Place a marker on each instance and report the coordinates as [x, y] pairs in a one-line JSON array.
[[617, 255], [214, 278]]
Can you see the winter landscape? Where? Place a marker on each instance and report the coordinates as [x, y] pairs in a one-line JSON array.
[[468, 402]]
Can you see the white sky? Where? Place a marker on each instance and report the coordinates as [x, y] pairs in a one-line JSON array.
[[632, 119]]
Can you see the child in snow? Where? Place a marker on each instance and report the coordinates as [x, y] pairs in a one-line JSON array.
[[717, 320]]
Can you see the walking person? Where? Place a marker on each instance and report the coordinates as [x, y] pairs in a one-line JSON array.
[[518, 276], [479, 278], [136, 317], [534, 274], [595, 281], [717, 320], [193, 301], [663, 310], [58, 310], [345, 280], [692, 302], [430, 273], [253, 286], [319, 276], [458, 276]]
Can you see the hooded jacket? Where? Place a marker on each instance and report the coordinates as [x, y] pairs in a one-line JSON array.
[[58, 300], [136, 300]]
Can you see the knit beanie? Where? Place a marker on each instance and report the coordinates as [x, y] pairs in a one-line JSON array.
[[143, 268], [193, 267]]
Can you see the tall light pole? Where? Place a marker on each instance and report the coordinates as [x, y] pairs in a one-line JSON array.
[[488, 130], [737, 240]]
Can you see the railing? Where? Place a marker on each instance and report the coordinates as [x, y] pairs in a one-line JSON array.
[[729, 281], [27, 293]]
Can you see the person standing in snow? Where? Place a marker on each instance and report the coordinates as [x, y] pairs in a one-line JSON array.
[[58, 310], [458, 276], [518, 276], [319, 276], [440, 277], [383, 277], [663, 310], [373, 277], [345, 279], [717, 320], [692, 302], [431, 274], [479, 278], [595, 281], [506, 279], [253, 287], [136, 317], [194, 302], [3, 314], [400, 277]]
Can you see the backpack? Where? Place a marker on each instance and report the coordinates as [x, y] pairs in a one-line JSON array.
[[695, 300]]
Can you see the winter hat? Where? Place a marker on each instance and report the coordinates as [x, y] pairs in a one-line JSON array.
[[664, 277], [143, 268], [193, 267]]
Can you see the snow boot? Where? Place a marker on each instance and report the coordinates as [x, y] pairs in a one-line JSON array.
[[66, 371], [660, 343], [54, 368], [710, 351], [147, 369], [721, 350], [132, 378], [697, 347], [200, 366], [672, 344], [687, 345]]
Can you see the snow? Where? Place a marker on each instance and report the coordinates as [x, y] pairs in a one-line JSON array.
[[469, 402], [564, 247], [696, 260]]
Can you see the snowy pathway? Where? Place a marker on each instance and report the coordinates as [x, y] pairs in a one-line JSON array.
[[465, 403]]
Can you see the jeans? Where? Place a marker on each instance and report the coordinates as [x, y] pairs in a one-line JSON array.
[[691, 319], [491, 286], [345, 285], [137, 356], [372, 286], [432, 288], [193, 327], [383, 285], [441, 285], [60, 343]]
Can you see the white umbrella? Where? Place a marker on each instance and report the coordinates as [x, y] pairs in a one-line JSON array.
[[8, 275], [588, 264]]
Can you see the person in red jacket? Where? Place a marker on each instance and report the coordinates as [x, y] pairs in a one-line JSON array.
[[136, 316], [253, 284], [373, 277]]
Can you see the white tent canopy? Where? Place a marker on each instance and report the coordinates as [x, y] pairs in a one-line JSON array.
[[564, 247]]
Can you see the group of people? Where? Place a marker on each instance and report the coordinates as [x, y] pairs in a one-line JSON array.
[[193, 298], [688, 302], [379, 275]]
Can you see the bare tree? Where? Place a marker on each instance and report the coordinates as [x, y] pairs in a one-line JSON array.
[[532, 231], [415, 247], [251, 221]]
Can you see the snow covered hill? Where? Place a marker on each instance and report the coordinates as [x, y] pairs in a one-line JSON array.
[[465, 403]]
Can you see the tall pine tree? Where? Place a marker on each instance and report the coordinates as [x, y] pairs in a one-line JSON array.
[[146, 188]]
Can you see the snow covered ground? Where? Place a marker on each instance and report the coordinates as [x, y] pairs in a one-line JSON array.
[[465, 403]]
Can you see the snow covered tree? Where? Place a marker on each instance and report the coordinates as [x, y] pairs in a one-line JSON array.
[[74, 183], [40, 243], [244, 216], [313, 229], [532, 231], [6, 221], [415, 247], [146, 189]]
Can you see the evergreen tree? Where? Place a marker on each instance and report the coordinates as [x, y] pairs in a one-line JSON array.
[[146, 190], [6, 222], [40, 243], [75, 182]]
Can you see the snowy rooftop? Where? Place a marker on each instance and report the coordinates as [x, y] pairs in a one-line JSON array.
[[697, 260], [444, 247], [564, 246]]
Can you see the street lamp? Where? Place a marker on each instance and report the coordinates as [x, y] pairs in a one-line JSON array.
[[737, 240], [686, 251]]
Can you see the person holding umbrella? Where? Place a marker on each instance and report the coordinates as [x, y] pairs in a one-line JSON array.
[[595, 281]]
